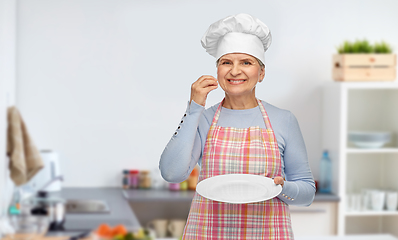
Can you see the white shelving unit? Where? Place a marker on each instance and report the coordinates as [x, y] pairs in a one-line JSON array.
[[361, 106]]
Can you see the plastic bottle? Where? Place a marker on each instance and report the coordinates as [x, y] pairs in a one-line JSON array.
[[325, 180]]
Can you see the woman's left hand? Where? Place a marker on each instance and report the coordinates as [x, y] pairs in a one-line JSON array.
[[279, 180]]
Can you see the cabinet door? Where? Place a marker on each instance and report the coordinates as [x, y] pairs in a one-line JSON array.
[[319, 219]]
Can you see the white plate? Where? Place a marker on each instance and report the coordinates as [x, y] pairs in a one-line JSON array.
[[238, 188]]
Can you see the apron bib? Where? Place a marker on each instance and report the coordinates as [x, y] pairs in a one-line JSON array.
[[231, 150]]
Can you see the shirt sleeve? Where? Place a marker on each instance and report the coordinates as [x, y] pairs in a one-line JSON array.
[[299, 186], [184, 148]]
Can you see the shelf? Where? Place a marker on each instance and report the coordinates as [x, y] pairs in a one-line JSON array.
[[371, 213], [370, 150], [367, 85], [365, 106]]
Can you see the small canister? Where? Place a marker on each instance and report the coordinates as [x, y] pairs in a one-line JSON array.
[[184, 185], [174, 186], [126, 179], [134, 180], [193, 179], [145, 179]]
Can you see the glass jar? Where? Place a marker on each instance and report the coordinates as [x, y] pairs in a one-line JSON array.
[[193, 179], [174, 186], [126, 179], [184, 185], [134, 179], [145, 179]]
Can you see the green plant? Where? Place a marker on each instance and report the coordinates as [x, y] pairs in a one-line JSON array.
[[382, 47], [363, 47]]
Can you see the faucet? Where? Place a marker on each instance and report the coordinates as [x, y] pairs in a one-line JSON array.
[[60, 178]]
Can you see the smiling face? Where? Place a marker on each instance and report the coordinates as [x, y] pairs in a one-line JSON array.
[[238, 74]]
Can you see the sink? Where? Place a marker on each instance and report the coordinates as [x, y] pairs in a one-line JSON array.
[[86, 206]]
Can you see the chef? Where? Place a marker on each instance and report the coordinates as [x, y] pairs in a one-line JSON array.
[[240, 135]]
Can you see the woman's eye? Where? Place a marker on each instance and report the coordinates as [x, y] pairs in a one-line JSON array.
[[225, 62], [247, 63]]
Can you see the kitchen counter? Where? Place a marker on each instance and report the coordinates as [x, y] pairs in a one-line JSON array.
[[349, 237], [165, 195], [120, 211], [326, 197], [120, 200]]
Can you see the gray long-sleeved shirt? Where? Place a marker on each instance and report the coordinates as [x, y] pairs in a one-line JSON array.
[[185, 148]]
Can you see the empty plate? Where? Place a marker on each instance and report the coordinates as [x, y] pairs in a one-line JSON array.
[[238, 188]]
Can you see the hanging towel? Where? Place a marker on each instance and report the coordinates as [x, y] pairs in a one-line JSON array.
[[25, 160]]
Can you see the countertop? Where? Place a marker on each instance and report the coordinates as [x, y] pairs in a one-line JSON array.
[[120, 211], [144, 195], [348, 237], [351, 237]]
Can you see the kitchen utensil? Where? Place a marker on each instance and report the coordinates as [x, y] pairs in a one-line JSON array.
[[50, 170], [45, 205], [176, 227], [28, 227], [238, 188], [80, 235], [363, 139], [391, 200], [160, 227]]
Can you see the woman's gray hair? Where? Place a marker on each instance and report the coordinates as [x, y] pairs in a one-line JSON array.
[[258, 60]]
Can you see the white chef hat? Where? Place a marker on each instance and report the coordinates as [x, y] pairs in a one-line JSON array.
[[240, 33]]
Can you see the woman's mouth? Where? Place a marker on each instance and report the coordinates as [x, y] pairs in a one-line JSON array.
[[236, 81]]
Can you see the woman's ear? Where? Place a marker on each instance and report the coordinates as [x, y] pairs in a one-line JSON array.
[[262, 74]]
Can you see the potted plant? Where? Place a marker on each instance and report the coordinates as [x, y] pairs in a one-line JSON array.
[[362, 61]]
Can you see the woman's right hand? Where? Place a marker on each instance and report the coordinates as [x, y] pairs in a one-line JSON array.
[[201, 88]]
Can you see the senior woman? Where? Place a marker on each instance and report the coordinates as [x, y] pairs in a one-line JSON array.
[[241, 134]]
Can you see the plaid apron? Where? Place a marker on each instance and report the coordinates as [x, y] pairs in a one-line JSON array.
[[231, 150]]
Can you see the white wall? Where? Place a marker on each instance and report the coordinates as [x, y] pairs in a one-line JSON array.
[[3, 118], [7, 90], [105, 82]]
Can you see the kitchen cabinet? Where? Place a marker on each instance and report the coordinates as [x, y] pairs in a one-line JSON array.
[[162, 203], [361, 107], [319, 219]]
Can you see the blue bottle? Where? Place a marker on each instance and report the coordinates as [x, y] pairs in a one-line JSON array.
[[325, 180]]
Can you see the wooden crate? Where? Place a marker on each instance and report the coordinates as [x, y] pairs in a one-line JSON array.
[[364, 67]]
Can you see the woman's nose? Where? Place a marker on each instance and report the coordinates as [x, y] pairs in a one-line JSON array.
[[235, 70]]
